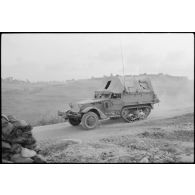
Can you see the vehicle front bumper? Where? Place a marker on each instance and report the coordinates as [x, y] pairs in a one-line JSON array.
[[69, 114]]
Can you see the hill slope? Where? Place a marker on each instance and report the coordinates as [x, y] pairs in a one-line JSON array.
[[37, 101]]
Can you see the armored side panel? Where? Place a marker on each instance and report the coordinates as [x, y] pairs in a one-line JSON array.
[[134, 89]]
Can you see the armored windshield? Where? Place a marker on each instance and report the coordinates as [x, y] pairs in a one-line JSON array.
[[101, 94]]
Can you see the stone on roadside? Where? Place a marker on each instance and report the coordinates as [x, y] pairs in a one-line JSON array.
[[4, 121], [144, 160], [11, 118], [16, 148], [124, 159], [18, 143], [27, 153], [39, 159], [6, 130], [20, 123], [6, 145], [187, 159], [17, 158], [6, 161], [72, 141]]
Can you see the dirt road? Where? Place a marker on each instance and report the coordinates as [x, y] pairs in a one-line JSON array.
[[106, 128]]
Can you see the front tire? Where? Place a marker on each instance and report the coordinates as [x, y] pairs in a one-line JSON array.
[[89, 120], [74, 121]]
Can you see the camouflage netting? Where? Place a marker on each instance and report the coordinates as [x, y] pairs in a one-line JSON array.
[[18, 143]]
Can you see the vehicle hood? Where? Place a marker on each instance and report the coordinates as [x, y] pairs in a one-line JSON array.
[[90, 101], [76, 106]]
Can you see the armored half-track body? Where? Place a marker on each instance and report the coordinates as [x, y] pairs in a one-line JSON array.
[[130, 98]]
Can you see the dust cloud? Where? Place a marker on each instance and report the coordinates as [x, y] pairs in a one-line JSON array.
[[176, 95]]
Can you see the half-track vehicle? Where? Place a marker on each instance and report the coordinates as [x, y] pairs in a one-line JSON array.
[[130, 98]]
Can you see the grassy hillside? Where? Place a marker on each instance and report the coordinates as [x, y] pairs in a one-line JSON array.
[[36, 102], [39, 102]]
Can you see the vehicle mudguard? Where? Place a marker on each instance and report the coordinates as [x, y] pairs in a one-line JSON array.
[[101, 114]]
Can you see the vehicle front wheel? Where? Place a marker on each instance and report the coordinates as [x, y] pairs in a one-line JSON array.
[[89, 120], [74, 121]]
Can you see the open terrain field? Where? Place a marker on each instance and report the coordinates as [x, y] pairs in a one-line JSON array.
[[38, 103], [166, 136], [166, 140]]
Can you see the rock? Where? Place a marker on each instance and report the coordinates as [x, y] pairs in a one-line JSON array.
[[187, 159], [17, 158], [16, 148], [168, 160], [11, 118], [6, 130], [32, 147], [3, 116], [6, 161], [72, 141], [144, 160], [18, 143], [39, 159], [27, 153], [6, 145], [124, 159], [20, 123], [37, 149], [4, 121]]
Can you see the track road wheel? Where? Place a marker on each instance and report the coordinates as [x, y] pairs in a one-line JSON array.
[[74, 121], [146, 111], [125, 114], [89, 120]]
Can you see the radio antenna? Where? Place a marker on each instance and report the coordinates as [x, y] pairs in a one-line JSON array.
[[122, 62]]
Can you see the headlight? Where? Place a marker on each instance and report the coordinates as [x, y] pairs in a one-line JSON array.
[[74, 107]]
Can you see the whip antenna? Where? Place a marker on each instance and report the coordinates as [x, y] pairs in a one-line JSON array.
[[122, 62]]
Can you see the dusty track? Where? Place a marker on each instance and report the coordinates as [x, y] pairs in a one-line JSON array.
[[106, 128]]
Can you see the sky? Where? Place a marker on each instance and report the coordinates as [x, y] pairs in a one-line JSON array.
[[60, 57]]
